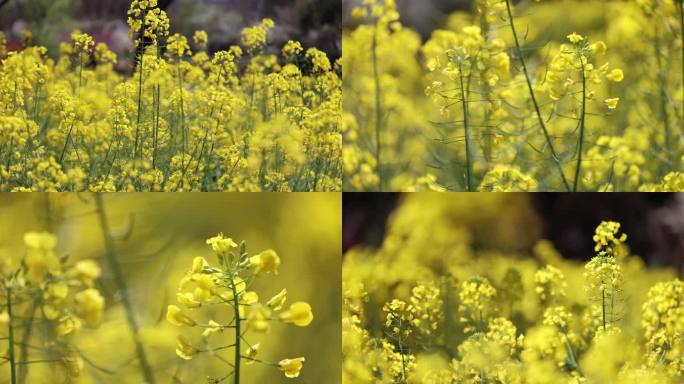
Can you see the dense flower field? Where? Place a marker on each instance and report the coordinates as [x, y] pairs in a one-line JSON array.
[[516, 96], [240, 119], [459, 293], [87, 296]]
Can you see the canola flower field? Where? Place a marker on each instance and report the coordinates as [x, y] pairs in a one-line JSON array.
[[240, 119], [459, 293], [516, 96], [91, 296]]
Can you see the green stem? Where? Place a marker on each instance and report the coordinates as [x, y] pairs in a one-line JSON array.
[[182, 109], [66, 144], [238, 336], [80, 71], [487, 90], [542, 124], [155, 134], [578, 168], [12, 362], [378, 112], [25, 341], [404, 379], [603, 307], [662, 83], [466, 127], [571, 351], [141, 52], [111, 255], [612, 304]]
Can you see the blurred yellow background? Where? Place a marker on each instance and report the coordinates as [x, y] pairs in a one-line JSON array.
[[158, 235]]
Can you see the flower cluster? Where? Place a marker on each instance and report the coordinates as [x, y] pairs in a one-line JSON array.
[[206, 286], [549, 284], [663, 326], [147, 22], [184, 120], [47, 289], [505, 317], [507, 109]]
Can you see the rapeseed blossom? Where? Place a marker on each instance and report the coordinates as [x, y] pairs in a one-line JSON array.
[[228, 285], [494, 314], [53, 291], [240, 119], [482, 105]]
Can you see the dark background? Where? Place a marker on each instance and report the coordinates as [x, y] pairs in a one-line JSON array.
[[421, 15], [313, 22], [654, 222]]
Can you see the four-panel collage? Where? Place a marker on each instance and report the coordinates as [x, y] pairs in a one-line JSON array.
[[342, 191]]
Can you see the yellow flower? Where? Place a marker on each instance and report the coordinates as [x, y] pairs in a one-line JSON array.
[[67, 325], [188, 299], [184, 349], [200, 38], [299, 314], [198, 264], [258, 317], [90, 305], [575, 38], [319, 60], [177, 46], [82, 42], [615, 75], [57, 291], [240, 287], [221, 245], [250, 297], [213, 328], [291, 367], [276, 302], [598, 48], [176, 317], [265, 262], [612, 103], [40, 255], [86, 271], [251, 353], [292, 49]]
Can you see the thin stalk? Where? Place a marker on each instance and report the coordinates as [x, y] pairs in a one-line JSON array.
[[378, 111], [66, 144], [612, 304], [80, 71], [404, 379], [35, 102], [537, 110], [25, 340], [111, 255], [182, 109], [238, 336], [12, 362], [9, 153], [16, 89], [603, 307], [466, 127], [141, 53], [155, 134], [662, 83], [582, 125], [489, 134], [571, 352]]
